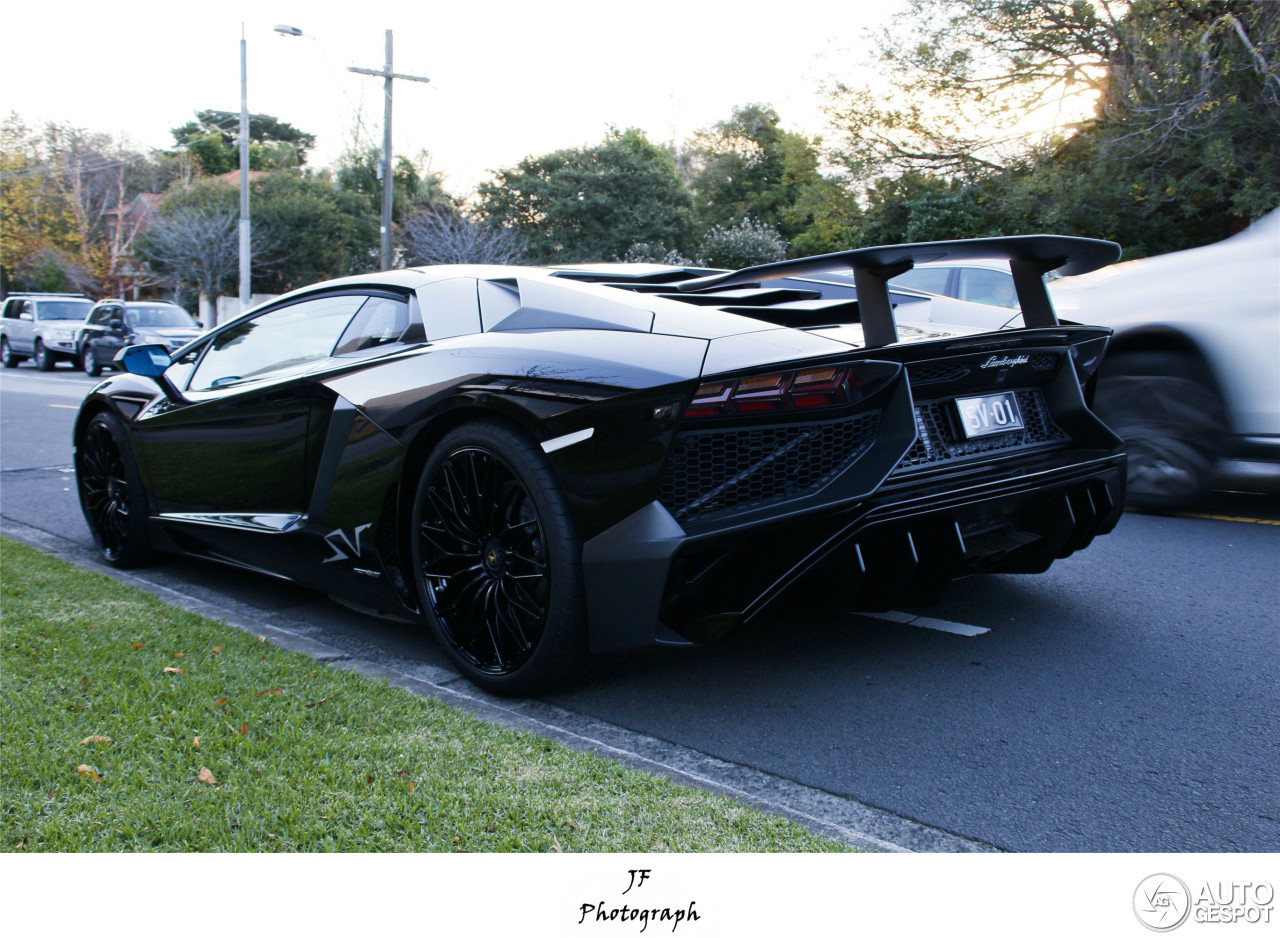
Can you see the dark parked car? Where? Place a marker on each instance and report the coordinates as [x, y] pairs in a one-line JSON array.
[[113, 324], [551, 464]]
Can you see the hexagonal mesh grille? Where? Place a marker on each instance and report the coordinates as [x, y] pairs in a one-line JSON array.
[[719, 472], [939, 443]]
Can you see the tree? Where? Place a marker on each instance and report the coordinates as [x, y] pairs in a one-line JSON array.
[[198, 247], [446, 235], [748, 167], [212, 139], [1180, 147], [414, 184], [591, 203]]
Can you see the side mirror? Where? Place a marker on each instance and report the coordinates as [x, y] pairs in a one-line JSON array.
[[199, 324], [150, 361], [117, 327], [27, 317]]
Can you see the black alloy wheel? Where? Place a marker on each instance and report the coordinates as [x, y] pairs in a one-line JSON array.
[[89, 361], [111, 492], [7, 356], [496, 565], [44, 360], [1165, 408]]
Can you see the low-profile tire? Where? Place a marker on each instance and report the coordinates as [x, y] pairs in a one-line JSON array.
[[111, 492], [496, 562], [1166, 409], [43, 357], [8, 357], [89, 362]]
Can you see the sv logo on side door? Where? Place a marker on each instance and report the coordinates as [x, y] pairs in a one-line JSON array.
[[352, 544]]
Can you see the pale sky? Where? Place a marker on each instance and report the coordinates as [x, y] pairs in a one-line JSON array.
[[508, 79]]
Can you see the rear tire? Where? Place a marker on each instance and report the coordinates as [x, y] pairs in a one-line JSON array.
[[44, 360], [1165, 407], [111, 493], [496, 563], [7, 356]]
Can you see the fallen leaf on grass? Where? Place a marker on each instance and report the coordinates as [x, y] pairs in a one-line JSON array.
[[369, 779], [84, 681], [179, 654], [317, 703], [206, 776], [216, 649], [556, 843], [402, 773], [262, 638], [95, 739], [274, 690], [220, 701], [137, 645], [195, 742], [411, 786], [89, 771], [244, 729], [174, 671]]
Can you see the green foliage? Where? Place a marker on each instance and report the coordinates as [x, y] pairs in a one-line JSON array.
[[212, 139], [1180, 150], [304, 230], [748, 167], [413, 186], [743, 244], [591, 203]]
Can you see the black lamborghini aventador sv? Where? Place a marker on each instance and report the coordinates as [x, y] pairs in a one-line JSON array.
[[549, 464]]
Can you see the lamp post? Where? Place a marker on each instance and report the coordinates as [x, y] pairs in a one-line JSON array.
[[384, 165], [246, 291]]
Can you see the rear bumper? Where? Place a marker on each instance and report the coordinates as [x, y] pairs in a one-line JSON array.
[[648, 580]]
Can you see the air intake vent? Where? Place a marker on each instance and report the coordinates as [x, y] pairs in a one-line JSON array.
[[715, 473]]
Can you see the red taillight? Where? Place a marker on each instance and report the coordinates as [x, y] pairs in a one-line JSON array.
[[789, 390]]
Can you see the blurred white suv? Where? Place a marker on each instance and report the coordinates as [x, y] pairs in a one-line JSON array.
[[43, 327]]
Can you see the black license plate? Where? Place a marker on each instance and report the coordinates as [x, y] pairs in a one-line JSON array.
[[988, 414]]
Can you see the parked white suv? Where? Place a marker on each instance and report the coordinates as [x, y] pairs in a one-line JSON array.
[[43, 327]]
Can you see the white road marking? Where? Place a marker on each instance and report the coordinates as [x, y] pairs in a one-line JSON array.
[[927, 622], [66, 406]]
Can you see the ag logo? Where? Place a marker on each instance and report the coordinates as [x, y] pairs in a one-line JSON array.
[[352, 544], [1162, 902]]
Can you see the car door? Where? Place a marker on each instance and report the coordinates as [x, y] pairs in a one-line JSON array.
[[235, 444]]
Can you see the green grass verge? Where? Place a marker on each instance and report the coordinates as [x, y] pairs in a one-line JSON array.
[[99, 751]]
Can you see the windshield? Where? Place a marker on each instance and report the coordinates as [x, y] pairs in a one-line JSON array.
[[151, 317], [62, 309]]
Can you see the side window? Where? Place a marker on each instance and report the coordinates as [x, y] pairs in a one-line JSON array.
[[11, 309], [928, 279], [381, 321], [274, 343], [100, 316], [992, 287]]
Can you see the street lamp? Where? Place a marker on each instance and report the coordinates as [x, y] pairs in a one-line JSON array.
[[246, 291], [385, 164]]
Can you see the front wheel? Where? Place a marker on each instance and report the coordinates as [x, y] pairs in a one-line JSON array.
[[44, 360], [1165, 408], [90, 362], [496, 562], [111, 493]]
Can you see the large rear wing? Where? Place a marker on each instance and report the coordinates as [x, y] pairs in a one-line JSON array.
[[1030, 257]]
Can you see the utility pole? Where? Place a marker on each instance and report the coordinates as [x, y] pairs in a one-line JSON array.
[[246, 291], [384, 165]]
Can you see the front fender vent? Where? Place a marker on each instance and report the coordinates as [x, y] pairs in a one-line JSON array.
[[722, 472]]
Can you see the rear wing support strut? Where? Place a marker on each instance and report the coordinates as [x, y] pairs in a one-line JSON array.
[[1030, 257]]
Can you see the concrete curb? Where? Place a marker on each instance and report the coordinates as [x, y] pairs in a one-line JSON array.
[[854, 823]]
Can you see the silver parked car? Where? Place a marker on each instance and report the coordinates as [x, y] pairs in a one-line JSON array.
[[41, 326]]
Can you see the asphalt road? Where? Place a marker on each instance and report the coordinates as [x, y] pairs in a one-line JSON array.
[[1127, 700]]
